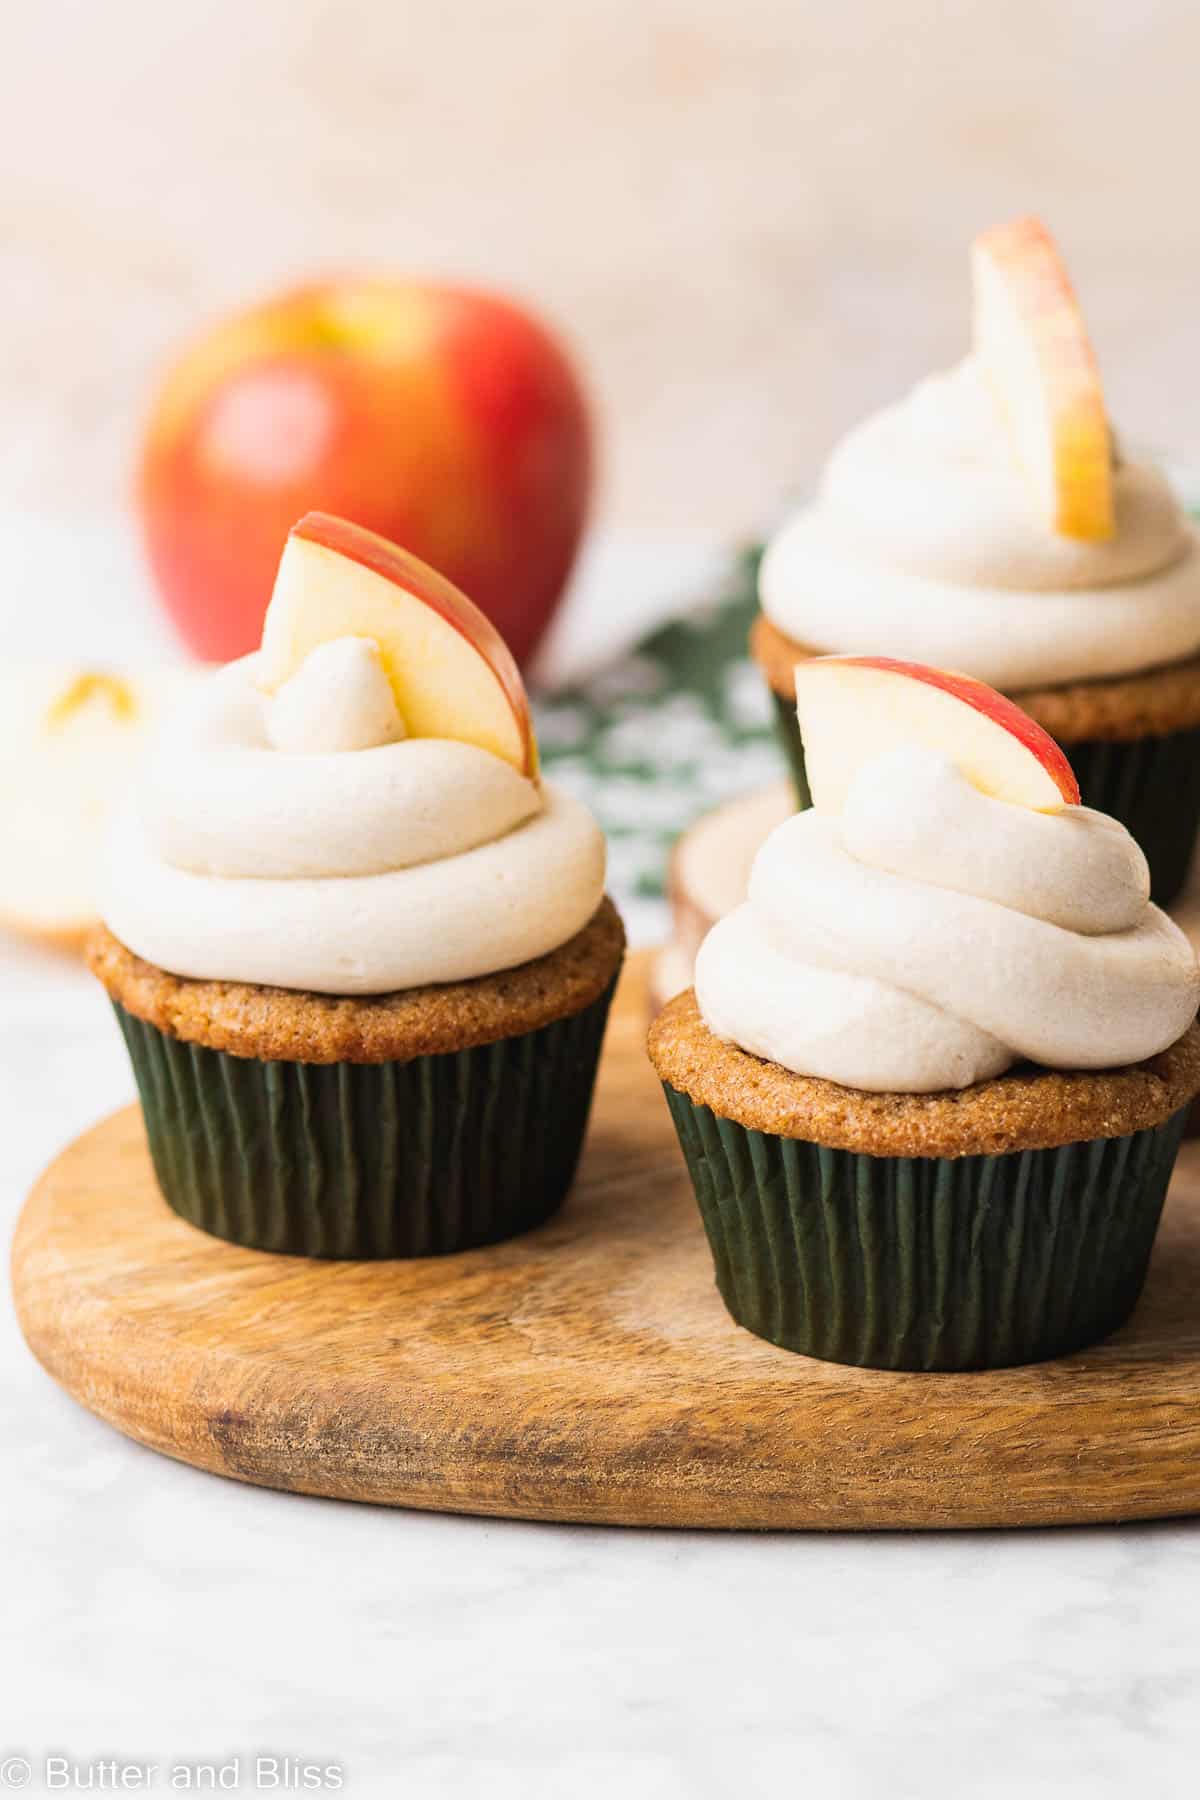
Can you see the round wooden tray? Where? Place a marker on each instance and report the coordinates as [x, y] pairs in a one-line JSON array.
[[585, 1372]]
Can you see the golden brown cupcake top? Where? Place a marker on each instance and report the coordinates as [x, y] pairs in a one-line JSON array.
[[1027, 1109], [277, 1025]]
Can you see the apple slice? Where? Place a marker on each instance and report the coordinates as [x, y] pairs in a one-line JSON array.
[[451, 672], [69, 741], [855, 708], [1039, 363]]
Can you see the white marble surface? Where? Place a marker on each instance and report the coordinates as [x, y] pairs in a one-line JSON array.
[[156, 1613], [152, 1613]]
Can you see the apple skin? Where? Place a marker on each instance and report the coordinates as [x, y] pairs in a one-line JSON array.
[[442, 418], [996, 707], [412, 576]]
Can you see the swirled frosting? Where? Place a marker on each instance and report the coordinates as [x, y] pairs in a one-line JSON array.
[[929, 937], [302, 841], [923, 543]]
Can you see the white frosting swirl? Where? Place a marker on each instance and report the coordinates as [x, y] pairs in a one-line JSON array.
[[930, 936], [368, 864], [339, 699], [924, 544]]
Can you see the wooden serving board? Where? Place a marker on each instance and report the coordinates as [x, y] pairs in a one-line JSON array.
[[585, 1372]]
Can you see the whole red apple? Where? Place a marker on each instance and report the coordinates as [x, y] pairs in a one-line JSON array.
[[447, 420]]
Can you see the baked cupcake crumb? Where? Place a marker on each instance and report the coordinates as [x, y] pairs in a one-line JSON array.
[[1027, 1109], [279, 1025]]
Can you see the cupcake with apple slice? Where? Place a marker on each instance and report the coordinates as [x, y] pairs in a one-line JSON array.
[[360, 953], [990, 523], [933, 1075]]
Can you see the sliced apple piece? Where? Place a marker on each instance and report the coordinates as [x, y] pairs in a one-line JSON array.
[[69, 741], [855, 708], [451, 672], [1038, 360]]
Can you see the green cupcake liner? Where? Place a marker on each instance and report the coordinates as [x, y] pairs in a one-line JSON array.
[[364, 1160], [922, 1263], [1151, 785]]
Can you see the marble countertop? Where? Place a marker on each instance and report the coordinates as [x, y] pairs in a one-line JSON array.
[[152, 1614]]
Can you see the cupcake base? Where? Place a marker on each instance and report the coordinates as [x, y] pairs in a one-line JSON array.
[[926, 1263], [1007, 1224], [410, 1125], [418, 1158]]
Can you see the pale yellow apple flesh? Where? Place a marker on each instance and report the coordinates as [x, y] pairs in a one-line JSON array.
[[853, 709], [450, 672], [70, 739], [1039, 363]]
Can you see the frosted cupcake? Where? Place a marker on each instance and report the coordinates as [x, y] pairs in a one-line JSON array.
[[360, 953], [934, 1073], [989, 523]]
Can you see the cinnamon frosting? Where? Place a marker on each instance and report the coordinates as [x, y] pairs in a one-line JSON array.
[[929, 937], [923, 543], [303, 841]]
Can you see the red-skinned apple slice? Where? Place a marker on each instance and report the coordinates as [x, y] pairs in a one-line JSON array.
[[1038, 359], [855, 708], [452, 674]]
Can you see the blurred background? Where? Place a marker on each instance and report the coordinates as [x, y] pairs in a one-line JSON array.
[[746, 223], [749, 220]]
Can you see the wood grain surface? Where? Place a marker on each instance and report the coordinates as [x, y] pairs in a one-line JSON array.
[[585, 1372]]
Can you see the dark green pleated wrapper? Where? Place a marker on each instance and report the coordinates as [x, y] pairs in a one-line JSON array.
[[369, 1159], [977, 1262], [1151, 785]]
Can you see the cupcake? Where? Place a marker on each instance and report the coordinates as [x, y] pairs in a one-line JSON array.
[[933, 1075], [360, 953], [989, 523]]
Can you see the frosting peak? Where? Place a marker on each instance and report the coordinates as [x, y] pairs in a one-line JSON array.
[[338, 699], [923, 543], [304, 842], [929, 937]]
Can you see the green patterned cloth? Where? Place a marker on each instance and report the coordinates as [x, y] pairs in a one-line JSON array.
[[670, 731]]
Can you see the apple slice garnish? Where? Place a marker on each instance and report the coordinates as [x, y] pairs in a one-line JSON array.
[[451, 672], [1038, 359], [855, 708], [70, 739]]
